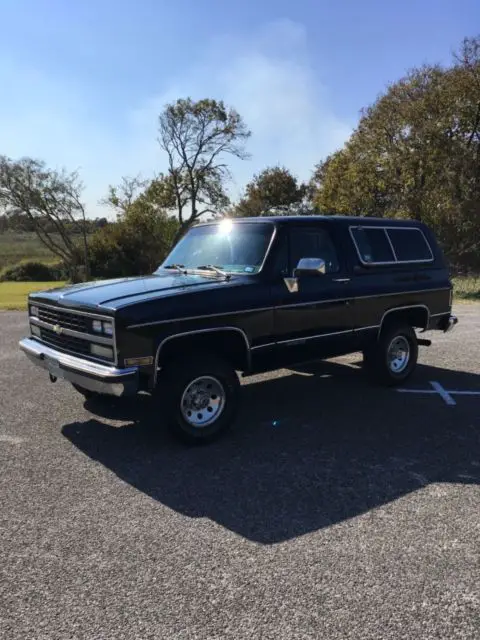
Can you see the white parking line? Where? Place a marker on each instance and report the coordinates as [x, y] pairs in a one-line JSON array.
[[445, 394], [11, 439]]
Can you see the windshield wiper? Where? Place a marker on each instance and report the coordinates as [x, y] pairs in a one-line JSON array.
[[217, 270], [179, 267]]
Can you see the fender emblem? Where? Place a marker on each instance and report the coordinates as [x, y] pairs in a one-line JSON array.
[[58, 329]]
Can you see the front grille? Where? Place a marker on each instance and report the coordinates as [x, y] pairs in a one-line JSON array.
[[66, 343], [65, 319], [71, 321]]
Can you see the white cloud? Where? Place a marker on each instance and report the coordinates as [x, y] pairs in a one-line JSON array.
[[268, 78]]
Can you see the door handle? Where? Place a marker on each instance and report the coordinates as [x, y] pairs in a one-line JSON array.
[[340, 279]]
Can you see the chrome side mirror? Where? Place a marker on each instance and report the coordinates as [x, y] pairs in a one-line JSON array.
[[310, 266], [305, 266]]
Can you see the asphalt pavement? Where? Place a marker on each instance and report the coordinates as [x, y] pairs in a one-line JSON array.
[[334, 509]]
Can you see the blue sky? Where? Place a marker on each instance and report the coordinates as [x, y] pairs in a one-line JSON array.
[[83, 82]]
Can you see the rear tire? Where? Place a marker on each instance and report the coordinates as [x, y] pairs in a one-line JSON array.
[[198, 397], [392, 360]]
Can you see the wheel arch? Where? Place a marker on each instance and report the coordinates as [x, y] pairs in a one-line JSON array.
[[416, 315], [231, 343]]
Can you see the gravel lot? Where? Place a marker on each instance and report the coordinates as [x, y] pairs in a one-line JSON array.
[[334, 509]]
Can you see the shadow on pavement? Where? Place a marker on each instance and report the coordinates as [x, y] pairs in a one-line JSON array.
[[311, 448]]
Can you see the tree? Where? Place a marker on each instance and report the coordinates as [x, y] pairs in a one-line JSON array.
[[416, 154], [51, 200], [142, 236], [197, 138], [274, 189]]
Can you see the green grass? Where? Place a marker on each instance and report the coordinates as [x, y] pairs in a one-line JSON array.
[[13, 295], [21, 247], [466, 287]]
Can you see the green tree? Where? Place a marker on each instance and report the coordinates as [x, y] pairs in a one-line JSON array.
[[142, 236], [51, 200], [274, 190], [416, 154], [198, 137]]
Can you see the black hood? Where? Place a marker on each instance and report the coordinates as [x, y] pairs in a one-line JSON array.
[[113, 294]]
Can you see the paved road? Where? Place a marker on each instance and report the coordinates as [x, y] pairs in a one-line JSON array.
[[334, 510]]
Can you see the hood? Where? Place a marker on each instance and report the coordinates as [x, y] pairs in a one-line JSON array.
[[112, 294]]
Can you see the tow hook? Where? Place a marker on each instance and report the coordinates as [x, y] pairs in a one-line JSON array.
[[52, 378]]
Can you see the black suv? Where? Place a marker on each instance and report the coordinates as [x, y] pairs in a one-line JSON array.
[[247, 295]]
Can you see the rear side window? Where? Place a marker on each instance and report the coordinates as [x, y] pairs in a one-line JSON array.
[[373, 245], [410, 245], [391, 245]]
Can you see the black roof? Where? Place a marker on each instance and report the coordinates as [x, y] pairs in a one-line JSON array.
[[359, 220]]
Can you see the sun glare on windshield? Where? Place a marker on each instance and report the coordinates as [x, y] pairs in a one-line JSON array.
[[225, 227]]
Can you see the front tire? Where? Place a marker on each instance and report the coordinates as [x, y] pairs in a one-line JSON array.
[[392, 360], [200, 397]]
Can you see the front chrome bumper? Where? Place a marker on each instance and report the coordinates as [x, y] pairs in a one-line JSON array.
[[89, 375]]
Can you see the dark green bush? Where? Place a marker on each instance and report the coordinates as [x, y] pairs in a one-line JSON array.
[[33, 272]]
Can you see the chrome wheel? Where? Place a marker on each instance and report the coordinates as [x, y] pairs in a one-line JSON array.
[[398, 354], [203, 401]]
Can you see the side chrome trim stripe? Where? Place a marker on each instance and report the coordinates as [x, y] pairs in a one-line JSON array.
[[287, 306], [291, 340], [319, 335], [72, 332], [197, 332]]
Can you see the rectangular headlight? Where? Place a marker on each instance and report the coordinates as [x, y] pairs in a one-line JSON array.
[[35, 330], [34, 311], [97, 326], [101, 351], [107, 328]]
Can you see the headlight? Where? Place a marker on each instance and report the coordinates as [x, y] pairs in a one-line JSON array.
[[101, 351], [97, 326], [34, 311], [107, 328], [100, 326]]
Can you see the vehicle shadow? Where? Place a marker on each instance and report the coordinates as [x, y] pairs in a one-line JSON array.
[[311, 448]]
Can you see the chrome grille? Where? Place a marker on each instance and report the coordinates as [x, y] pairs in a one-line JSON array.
[[67, 343], [71, 331], [65, 319]]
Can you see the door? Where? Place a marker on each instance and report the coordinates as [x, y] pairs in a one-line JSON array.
[[316, 320]]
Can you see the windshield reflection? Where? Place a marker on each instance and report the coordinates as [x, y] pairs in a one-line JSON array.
[[227, 246]]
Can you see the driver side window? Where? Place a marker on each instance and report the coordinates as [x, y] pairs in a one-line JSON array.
[[313, 243]]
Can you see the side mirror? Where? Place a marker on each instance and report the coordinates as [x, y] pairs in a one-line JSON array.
[[310, 266], [305, 266]]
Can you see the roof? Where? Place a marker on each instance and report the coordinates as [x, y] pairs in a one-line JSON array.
[[363, 220]]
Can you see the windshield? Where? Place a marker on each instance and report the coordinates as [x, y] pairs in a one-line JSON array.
[[231, 247]]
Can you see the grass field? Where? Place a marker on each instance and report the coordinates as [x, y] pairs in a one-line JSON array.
[[19, 247], [13, 295], [466, 288]]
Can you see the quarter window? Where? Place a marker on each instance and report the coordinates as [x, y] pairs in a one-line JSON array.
[[410, 245]]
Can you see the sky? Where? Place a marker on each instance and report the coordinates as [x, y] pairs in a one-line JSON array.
[[83, 82]]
